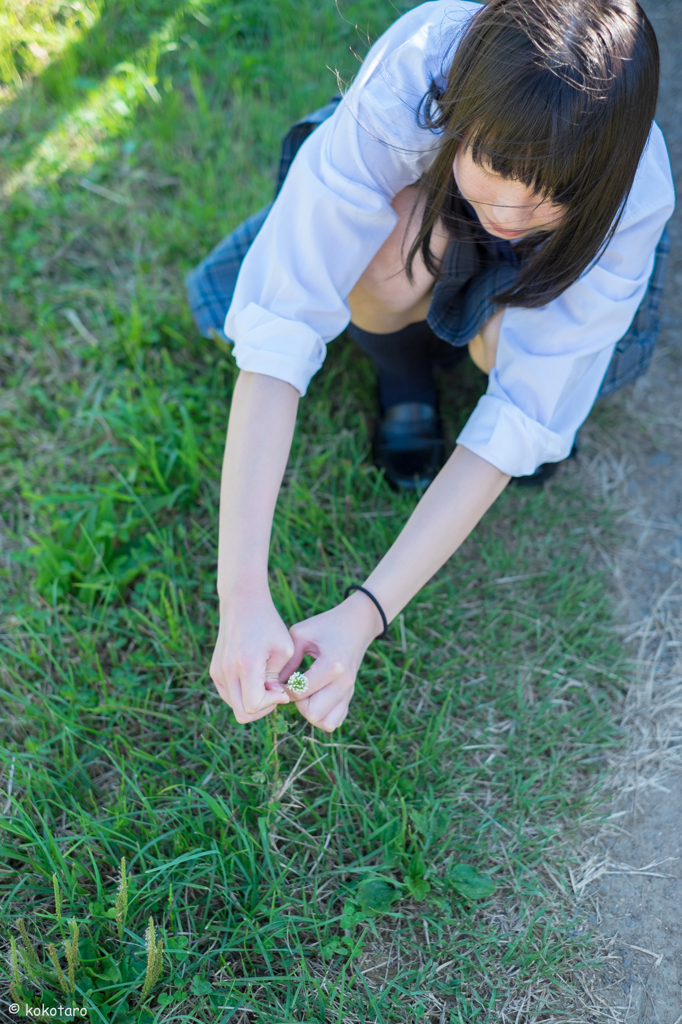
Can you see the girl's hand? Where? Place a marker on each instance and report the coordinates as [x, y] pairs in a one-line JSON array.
[[337, 639], [252, 646]]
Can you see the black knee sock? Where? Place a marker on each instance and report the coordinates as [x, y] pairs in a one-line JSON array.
[[404, 360]]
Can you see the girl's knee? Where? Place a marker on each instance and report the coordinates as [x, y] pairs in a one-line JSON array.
[[381, 311], [478, 354], [483, 348], [384, 293], [388, 296]]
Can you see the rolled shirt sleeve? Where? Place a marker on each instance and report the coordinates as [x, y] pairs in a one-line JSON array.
[[334, 210], [334, 213]]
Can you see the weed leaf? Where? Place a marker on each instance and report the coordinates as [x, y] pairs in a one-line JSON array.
[[376, 895], [467, 882]]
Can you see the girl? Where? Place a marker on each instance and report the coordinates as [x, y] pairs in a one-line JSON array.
[[494, 182]]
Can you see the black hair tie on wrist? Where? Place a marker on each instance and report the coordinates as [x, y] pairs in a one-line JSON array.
[[356, 586]]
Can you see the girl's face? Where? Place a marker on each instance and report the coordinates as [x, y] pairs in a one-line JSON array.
[[506, 208]]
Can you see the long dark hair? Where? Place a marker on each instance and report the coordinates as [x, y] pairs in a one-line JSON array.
[[560, 95]]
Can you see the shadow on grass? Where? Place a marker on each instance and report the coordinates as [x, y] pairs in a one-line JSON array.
[[120, 28], [91, 90]]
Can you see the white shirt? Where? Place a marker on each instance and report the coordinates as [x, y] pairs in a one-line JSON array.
[[333, 214]]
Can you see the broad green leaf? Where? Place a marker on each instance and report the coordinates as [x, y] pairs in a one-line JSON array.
[[418, 888], [375, 895], [469, 883], [110, 970], [417, 867]]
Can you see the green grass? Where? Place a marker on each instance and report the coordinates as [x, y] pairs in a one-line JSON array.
[[411, 865]]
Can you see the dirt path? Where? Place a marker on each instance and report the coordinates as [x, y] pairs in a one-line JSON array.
[[635, 453]]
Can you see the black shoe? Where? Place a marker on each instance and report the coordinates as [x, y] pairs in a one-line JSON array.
[[545, 471], [408, 445]]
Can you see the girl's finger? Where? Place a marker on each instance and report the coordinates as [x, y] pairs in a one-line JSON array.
[[254, 696], [244, 719], [315, 707], [229, 690], [302, 645], [335, 717], [321, 674], [279, 657], [223, 681]]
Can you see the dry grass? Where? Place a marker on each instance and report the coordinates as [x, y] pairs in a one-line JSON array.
[[635, 431]]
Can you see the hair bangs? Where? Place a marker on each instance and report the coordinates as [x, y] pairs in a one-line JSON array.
[[542, 134]]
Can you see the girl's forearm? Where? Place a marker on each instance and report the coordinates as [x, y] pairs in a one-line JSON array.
[[460, 495], [261, 427]]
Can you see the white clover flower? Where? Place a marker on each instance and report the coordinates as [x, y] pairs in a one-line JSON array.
[[297, 682]]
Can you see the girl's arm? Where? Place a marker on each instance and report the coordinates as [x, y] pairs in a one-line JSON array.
[[253, 643], [452, 506]]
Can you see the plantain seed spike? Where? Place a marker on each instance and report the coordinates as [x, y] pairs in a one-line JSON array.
[[57, 897], [61, 977], [158, 962], [122, 901], [15, 990], [28, 945], [72, 955], [28, 966]]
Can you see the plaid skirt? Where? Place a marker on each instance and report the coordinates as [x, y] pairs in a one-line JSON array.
[[471, 275]]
